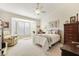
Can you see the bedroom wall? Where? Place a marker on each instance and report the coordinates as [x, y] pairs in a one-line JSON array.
[[7, 16], [62, 13]]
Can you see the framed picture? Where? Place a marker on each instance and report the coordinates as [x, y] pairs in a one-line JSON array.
[[6, 24], [73, 19]]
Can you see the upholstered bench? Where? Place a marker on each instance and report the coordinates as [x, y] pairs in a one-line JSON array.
[[11, 40]]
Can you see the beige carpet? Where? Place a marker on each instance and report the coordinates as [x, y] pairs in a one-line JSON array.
[[25, 47]]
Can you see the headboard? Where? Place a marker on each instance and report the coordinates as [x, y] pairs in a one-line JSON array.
[[54, 30]]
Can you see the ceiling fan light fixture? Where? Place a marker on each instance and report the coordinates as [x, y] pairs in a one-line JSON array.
[[37, 11]]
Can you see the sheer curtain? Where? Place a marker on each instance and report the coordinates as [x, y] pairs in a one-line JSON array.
[[27, 28], [23, 28], [19, 27]]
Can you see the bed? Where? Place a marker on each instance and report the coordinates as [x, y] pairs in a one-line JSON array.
[[46, 40]]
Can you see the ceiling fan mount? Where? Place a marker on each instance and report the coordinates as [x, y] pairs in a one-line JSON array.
[[39, 9]]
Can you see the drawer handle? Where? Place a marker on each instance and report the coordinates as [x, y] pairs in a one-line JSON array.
[[70, 34], [70, 37]]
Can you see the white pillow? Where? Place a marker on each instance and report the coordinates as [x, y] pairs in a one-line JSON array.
[[53, 32]]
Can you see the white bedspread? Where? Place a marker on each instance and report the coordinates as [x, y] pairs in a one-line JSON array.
[[46, 40]]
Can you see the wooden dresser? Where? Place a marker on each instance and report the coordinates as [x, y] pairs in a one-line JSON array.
[[71, 33], [71, 40]]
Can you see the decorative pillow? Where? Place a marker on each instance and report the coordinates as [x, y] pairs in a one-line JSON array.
[[54, 31]]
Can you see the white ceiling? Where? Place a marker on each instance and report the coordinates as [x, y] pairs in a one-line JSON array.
[[53, 10]]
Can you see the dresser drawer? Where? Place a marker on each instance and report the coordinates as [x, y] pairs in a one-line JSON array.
[[67, 41], [71, 29], [67, 26], [71, 32], [71, 35], [71, 25], [70, 39]]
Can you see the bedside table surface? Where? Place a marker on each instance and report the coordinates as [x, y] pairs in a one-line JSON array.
[[71, 48]]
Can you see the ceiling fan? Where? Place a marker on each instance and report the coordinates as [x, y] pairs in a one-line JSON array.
[[39, 9]]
